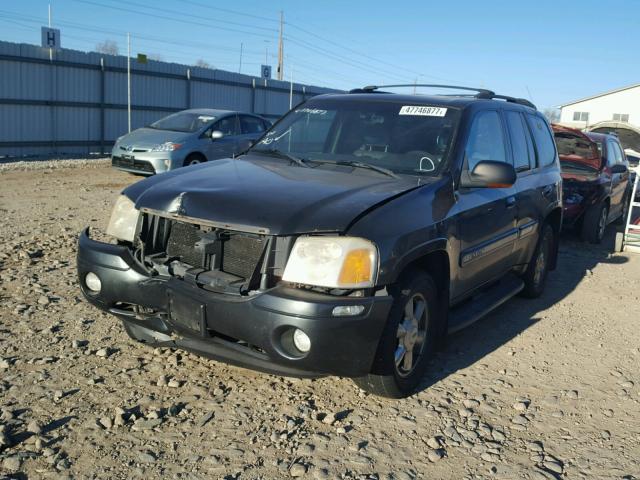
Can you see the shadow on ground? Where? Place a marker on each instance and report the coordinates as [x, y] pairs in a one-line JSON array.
[[576, 260]]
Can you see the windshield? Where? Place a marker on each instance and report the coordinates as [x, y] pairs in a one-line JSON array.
[[183, 122], [404, 139]]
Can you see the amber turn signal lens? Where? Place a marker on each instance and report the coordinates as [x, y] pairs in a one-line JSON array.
[[356, 267]]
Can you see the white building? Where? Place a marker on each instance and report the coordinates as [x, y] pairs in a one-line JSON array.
[[621, 105]]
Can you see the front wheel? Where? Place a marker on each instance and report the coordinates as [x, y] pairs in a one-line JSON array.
[[408, 339], [535, 277], [194, 160]]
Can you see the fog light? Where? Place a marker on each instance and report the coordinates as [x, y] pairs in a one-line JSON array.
[[93, 283], [301, 340], [347, 310], [167, 163]]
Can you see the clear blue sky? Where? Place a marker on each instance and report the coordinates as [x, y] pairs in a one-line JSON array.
[[544, 50]]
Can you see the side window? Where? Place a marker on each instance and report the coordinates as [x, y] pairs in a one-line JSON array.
[[250, 125], [545, 147], [486, 139], [519, 144], [618, 152], [611, 154], [227, 125]]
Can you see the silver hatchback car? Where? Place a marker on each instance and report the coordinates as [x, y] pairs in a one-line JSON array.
[[186, 138]]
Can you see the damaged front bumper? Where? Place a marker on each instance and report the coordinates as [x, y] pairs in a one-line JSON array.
[[251, 331]]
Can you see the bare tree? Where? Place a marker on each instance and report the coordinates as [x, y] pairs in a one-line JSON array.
[[552, 114], [108, 47], [202, 63]]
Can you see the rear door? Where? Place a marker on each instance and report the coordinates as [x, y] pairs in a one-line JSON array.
[[538, 185], [227, 145], [486, 223]]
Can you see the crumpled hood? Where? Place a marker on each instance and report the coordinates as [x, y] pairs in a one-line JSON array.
[[149, 137], [269, 194]]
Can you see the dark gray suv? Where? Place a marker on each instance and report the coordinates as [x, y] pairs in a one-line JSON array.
[[356, 233]]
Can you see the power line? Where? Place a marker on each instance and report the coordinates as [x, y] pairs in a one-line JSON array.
[[163, 17]]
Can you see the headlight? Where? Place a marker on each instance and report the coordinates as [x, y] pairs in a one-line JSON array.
[[332, 262], [124, 219], [166, 147]]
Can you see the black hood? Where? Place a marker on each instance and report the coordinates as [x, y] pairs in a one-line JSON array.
[[270, 194]]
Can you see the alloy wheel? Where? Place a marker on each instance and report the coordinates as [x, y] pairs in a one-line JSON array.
[[411, 335]]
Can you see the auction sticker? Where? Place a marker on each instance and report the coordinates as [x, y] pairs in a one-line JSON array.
[[423, 111]]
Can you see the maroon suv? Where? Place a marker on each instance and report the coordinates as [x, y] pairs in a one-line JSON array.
[[595, 175]]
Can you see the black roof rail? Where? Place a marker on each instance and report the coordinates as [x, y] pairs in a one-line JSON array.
[[519, 101], [481, 93], [373, 88]]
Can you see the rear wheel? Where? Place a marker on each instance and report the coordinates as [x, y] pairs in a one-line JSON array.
[[535, 277], [408, 339], [595, 223], [622, 219]]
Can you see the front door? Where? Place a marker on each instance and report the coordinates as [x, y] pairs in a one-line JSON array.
[[224, 147], [488, 216]]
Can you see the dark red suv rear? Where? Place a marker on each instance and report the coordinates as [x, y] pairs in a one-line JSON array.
[[595, 175]]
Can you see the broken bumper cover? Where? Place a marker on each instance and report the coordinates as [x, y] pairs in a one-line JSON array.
[[248, 331]]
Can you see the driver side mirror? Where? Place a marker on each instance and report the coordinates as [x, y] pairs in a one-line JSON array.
[[619, 168], [216, 134], [489, 174]]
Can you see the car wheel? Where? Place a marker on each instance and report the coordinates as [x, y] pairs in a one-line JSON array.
[[595, 223], [535, 277], [194, 160], [408, 340], [622, 219]]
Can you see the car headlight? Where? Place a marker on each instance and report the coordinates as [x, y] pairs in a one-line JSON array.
[[124, 219], [332, 262], [166, 147]]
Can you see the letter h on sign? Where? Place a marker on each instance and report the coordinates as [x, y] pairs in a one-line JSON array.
[[50, 38]]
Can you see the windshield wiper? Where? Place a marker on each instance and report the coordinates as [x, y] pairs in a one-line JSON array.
[[287, 156], [384, 171]]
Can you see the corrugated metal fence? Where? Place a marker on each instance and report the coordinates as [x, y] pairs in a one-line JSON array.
[[77, 103]]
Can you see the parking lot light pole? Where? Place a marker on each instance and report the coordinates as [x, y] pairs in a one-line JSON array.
[[129, 81]]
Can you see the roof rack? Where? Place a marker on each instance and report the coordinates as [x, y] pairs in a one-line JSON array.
[[481, 93]]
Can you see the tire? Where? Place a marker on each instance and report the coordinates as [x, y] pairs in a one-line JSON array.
[[595, 223], [535, 277], [409, 336], [193, 159], [622, 219]]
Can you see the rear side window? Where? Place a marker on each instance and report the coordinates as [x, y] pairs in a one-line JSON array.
[[544, 141], [251, 124], [521, 160], [486, 139]]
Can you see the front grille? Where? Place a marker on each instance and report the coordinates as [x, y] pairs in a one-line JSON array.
[[138, 150], [241, 255], [237, 254], [138, 165]]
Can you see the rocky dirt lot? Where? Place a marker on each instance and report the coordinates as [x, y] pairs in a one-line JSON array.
[[538, 390]]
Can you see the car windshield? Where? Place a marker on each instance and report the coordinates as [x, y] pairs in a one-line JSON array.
[[183, 122], [402, 138]]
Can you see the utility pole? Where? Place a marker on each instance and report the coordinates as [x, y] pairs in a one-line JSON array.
[[51, 49], [280, 49], [129, 81], [291, 87], [240, 68]]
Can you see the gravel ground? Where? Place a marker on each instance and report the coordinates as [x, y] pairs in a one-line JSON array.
[[540, 389]]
